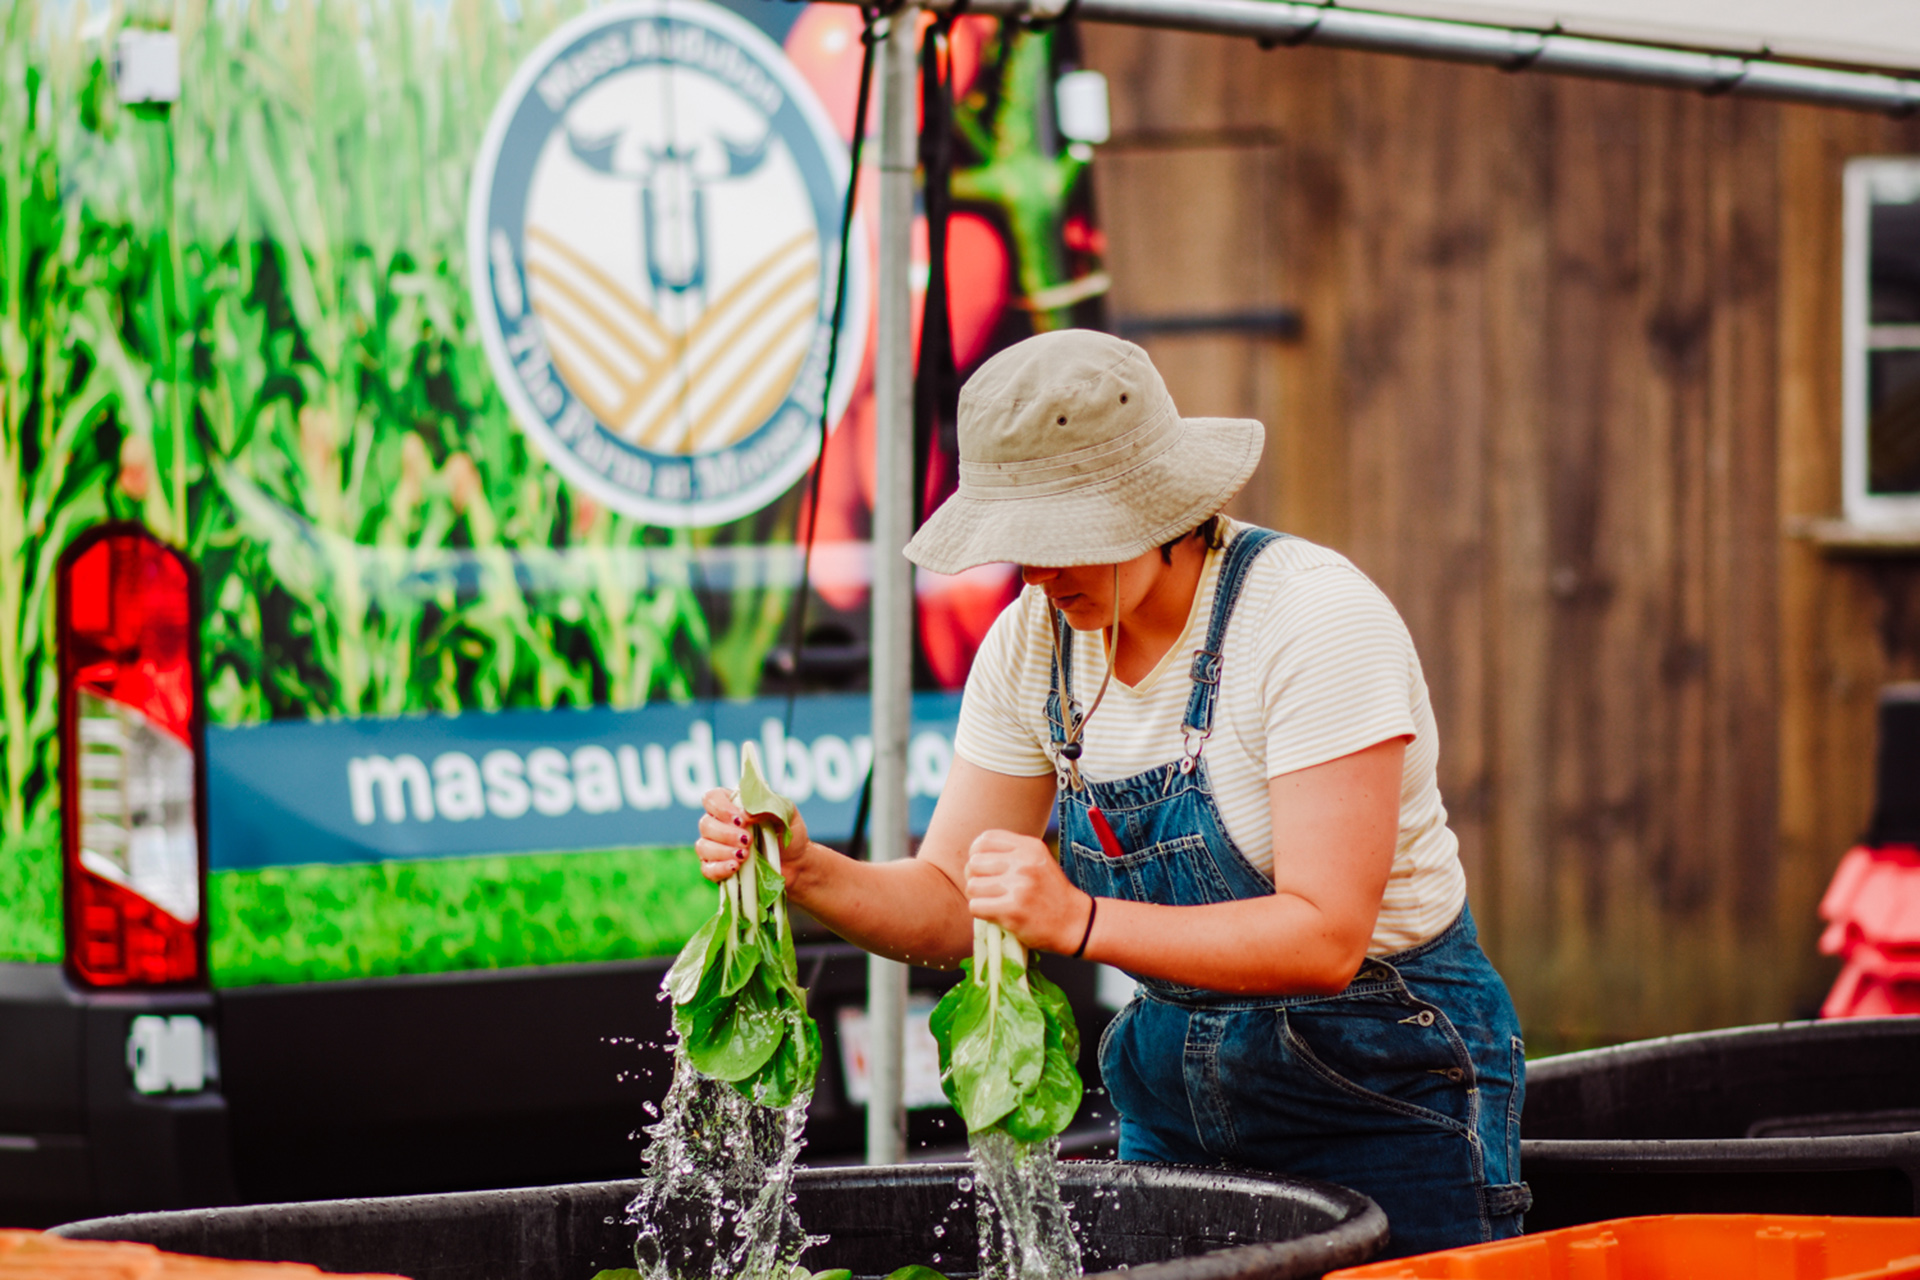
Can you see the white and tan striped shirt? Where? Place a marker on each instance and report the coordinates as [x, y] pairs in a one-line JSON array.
[[1316, 665]]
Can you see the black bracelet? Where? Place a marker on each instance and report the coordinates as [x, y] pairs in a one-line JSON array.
[[1093, 909]]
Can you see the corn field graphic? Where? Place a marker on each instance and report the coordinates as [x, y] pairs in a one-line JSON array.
[[243, 320]]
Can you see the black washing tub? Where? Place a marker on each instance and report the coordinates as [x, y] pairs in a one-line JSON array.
[[1798, 1117], [1160, 1223]]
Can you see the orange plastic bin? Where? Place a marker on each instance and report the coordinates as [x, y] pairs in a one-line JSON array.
[[29, 1255], [1691, 1246]]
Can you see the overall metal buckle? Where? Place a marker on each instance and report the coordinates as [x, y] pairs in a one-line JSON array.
[[1196, 742]]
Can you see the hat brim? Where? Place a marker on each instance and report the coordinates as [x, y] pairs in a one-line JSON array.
[[1105, 523]]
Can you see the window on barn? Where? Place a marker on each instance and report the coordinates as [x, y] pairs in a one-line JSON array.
[[1882, 336]]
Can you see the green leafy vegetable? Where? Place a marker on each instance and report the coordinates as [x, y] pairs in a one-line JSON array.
[[772, 812], [800, 1273], [737, 1002], [1008, 1043]]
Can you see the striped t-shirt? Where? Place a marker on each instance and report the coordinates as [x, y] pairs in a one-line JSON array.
[[1316, 665]]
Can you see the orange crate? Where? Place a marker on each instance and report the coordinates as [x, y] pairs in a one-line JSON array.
[[29, 1255], [1690, 1246]]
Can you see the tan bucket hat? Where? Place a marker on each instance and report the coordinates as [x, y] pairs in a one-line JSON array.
[[1071, 452]]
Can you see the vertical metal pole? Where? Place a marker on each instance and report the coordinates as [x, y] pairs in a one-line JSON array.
[[892, 575]]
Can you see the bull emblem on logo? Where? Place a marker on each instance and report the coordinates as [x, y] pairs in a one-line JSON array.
[[673, 181], [652, 223]]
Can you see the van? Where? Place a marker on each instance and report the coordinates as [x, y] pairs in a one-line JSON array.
[[432, 442]]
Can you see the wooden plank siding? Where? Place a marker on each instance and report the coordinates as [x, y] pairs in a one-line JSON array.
[[1847, 626], [1570, 362]]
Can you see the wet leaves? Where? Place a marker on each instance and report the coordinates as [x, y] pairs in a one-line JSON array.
[[1008, 1043], [738, 1006]]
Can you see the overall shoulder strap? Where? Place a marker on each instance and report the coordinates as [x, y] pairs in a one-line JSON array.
[[1235, 565]]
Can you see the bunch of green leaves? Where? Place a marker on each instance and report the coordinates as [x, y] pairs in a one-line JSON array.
[[738, 1006], [1008, 1043]]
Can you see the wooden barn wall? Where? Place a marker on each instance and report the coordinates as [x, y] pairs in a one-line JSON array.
[[1569, 369]]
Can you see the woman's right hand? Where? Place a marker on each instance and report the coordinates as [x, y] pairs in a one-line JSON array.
[[726, 836]]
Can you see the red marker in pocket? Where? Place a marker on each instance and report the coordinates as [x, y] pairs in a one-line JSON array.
[[1109, 842]]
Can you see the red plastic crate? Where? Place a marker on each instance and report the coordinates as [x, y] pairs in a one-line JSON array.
[[1873, 914], [1732, 1246]]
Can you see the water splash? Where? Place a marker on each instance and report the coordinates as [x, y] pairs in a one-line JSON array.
[[1025, 1231], [716, 1202]]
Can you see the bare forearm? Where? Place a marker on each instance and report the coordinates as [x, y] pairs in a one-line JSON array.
[[1277, 945], [907, 910]]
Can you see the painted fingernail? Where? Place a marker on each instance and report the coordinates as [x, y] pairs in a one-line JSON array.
[[739, 822]]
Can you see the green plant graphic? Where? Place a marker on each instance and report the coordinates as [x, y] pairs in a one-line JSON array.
[[301, 924], [1028, 181], [243, 319], [52, 483]]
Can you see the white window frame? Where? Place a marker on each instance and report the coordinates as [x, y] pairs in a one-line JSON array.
[[1884, 175]]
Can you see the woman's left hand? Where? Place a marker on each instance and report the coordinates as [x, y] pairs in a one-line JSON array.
[[1013, 881]]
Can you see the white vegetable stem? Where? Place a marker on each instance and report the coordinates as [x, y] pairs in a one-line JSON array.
[[730, 887], [992, 948]]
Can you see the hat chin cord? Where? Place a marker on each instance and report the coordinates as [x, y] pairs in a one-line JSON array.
[[1076, 726]]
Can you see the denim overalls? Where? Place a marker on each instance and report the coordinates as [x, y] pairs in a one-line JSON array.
[[1406, 1086]]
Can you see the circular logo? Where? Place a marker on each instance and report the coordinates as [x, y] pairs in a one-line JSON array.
[[655, 212]]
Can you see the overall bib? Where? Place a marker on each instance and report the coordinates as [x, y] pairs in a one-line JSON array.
[[1406, 1086]]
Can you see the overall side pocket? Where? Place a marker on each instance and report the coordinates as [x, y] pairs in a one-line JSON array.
[[1392, 1056]]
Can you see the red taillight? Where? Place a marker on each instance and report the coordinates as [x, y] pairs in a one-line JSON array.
[[128, 767]]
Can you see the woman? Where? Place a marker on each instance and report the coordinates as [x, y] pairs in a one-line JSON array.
[[1236, 731]]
